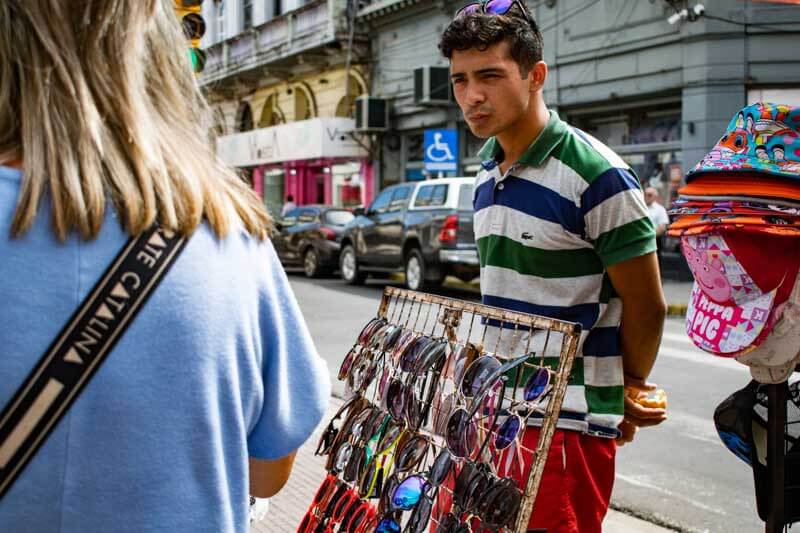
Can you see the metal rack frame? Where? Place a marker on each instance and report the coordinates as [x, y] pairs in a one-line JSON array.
[[452, 312]]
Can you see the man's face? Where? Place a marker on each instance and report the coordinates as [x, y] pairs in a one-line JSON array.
[[489, 88], [650, 196]]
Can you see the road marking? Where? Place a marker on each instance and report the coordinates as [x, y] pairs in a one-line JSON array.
[[693, 427], [669, 493], [680, 338]]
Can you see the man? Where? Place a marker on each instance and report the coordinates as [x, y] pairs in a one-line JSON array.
[[562, 231], [657, 214], [288, 205]]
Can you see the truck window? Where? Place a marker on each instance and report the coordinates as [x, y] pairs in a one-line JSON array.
[[400, 198], [431, 196], [338, 217], [381, 203], [465, 198]]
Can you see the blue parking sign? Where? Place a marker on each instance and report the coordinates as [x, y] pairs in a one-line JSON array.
[[441, 150]]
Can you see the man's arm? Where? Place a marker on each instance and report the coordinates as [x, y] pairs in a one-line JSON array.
[[638, 284], [267, 478]]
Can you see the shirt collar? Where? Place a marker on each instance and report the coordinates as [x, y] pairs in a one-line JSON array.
[[537, 152]]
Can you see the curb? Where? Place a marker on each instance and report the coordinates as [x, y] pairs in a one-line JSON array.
[[677, 310]]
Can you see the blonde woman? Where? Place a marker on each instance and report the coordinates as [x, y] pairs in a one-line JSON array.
[[216, 383]]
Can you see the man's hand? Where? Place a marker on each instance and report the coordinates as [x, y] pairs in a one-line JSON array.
[[637, 415]]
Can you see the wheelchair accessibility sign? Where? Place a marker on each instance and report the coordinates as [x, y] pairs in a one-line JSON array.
[[441, 150]]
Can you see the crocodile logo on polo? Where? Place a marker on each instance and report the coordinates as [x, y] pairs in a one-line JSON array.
[[527, 236]]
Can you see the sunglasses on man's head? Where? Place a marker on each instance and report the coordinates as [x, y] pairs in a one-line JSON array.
[[494, 7]]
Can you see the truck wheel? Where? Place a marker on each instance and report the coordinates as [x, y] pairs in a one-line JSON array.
[[348, 267], [415, 270]]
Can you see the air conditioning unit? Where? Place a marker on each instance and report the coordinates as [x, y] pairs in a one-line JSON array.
[[432, 85], [372, 114]]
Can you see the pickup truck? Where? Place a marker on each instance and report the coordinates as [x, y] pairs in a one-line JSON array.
[[423, 229]]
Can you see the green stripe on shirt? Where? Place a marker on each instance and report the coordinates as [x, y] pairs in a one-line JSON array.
[[575, 377], [606, 400], [626, 242], [581, 158], [499, 251]]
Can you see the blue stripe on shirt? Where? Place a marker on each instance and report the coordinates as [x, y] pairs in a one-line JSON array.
[[584, 314], [532, 199], [612, 181], [602, 342]]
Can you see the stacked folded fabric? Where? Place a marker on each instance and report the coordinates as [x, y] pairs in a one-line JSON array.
[[738, 219]]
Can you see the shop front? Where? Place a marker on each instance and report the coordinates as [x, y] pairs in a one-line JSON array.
[[315, 161]]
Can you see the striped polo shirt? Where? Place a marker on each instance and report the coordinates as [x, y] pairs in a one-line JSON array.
[[546, 232]]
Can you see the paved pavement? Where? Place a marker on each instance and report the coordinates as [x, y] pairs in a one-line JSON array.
[[287, 508]]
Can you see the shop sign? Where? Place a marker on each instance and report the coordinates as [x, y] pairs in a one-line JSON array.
[[307, 139]]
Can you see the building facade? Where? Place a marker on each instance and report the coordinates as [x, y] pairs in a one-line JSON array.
[[658, 92], [282, 77], [657, 87]]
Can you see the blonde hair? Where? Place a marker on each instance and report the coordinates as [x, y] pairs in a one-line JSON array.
[[98, 99]]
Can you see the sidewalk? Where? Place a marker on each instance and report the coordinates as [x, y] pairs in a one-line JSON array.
[[288, 507]]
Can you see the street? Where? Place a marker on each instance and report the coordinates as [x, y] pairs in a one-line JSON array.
[[677, 474]]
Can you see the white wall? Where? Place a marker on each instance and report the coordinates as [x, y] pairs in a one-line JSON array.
[[774, 96]]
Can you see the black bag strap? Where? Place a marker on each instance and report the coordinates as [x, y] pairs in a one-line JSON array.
[[81, 346]]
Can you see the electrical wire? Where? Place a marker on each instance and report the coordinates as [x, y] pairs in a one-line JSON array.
[[610, 39], [577, 11], [750, 25]]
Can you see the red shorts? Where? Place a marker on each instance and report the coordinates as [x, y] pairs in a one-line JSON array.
[[576, 485]]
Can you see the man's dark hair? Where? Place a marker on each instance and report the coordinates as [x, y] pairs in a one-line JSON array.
[[480, 31]]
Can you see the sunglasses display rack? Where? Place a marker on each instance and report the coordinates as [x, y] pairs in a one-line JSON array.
[[432, 435]]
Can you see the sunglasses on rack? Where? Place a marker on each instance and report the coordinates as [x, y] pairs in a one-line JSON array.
[[439, 472], [328, 437], [482, 384], [316, 513], [360, 518], [416, 492], [407, 399], [353, 453], [452, 374], [399, 450], [366, 339], [537, 385], [495, 7], [479, 493]]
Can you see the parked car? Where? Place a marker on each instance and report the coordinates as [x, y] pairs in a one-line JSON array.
[[423, 229], [310, 236]]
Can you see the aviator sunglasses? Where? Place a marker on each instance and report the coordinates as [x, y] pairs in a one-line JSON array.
[[494, 7]]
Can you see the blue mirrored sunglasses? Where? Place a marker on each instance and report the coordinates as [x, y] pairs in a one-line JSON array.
[[494, 7]]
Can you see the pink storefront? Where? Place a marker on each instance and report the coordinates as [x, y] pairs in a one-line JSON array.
[[314, 161]]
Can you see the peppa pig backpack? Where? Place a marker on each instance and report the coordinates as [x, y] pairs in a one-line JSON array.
[[738, 219]]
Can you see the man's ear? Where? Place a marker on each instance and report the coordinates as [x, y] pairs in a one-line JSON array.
[[537, 77]]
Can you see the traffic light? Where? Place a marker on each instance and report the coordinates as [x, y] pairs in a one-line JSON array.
[[194, 27]]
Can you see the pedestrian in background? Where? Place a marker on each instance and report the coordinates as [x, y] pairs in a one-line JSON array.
[[658, 215], [562, 231], [288, 205], [103, 133]]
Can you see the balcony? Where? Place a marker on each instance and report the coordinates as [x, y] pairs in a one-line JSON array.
[[307, 38]]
